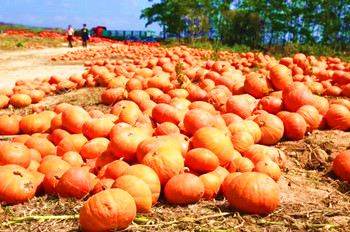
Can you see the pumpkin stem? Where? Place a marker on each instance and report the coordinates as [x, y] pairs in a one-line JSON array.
[[184, 170], [261, 123], [18, 173]]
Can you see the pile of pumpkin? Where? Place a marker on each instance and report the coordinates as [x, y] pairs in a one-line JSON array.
[[191, 131], [21, 32]]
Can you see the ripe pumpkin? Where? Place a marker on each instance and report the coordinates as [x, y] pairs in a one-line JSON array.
[[149, 176], [138, 189], [9, 124], [242, 140], [271, 127], [105, 158], [240, 164], [183, 189], [57, 135], [113, 170], [124, 143], [94, 148], [271, 104], [51, 180], [20, 100], [4, 101], [197, 118], [108, 210], [166, 128], [246, 126], [17, 184], [311, 116], [74, 118], [257, 85], [242, 105], [212, 185], [280, 76], [253, 192], [15, 153], [76, 182], [166, 161], [296, 95], [97, 127], [101, 185], [34, 123], [42, 145], [269, 168], [166, 113], [201, 160], [73, 158], [338, 117], [258, 152], [152, 143], [216, 141], [341, 165], [227, 181], [49, 163], [73, 142], [294, 125]]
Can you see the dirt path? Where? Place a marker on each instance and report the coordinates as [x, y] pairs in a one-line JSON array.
[[30, 64]]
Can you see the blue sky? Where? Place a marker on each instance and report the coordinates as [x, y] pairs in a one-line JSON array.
[[114, 14]]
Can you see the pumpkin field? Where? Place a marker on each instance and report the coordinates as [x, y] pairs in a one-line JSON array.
[[141, 137]]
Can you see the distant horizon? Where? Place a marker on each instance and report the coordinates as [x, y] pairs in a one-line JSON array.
[[39, 27], [113, 14]]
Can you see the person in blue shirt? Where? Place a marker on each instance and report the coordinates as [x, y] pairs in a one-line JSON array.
[[84, 35]]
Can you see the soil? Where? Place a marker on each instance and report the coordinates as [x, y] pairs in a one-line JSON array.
[[30, 64]]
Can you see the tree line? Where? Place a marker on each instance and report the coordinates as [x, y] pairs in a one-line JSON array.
[[254, 22]]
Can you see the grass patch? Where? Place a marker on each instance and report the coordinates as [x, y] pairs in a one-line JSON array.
[[20, 42]]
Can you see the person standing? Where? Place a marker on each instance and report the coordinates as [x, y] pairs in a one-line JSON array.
[[84, 35], [70, 33]]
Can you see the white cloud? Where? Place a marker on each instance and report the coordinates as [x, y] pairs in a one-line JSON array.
[[66, 4]]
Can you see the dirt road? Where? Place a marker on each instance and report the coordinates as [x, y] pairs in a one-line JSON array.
[[30, 64]]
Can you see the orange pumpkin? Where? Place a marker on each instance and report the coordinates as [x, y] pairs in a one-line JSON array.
[[15, 153], [341, 165], [184, 188], [253, 192], [138, 189], [216, 141], [116, 207], [280, 76]]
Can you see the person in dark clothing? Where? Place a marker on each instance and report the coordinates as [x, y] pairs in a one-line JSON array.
[[84, 35]]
